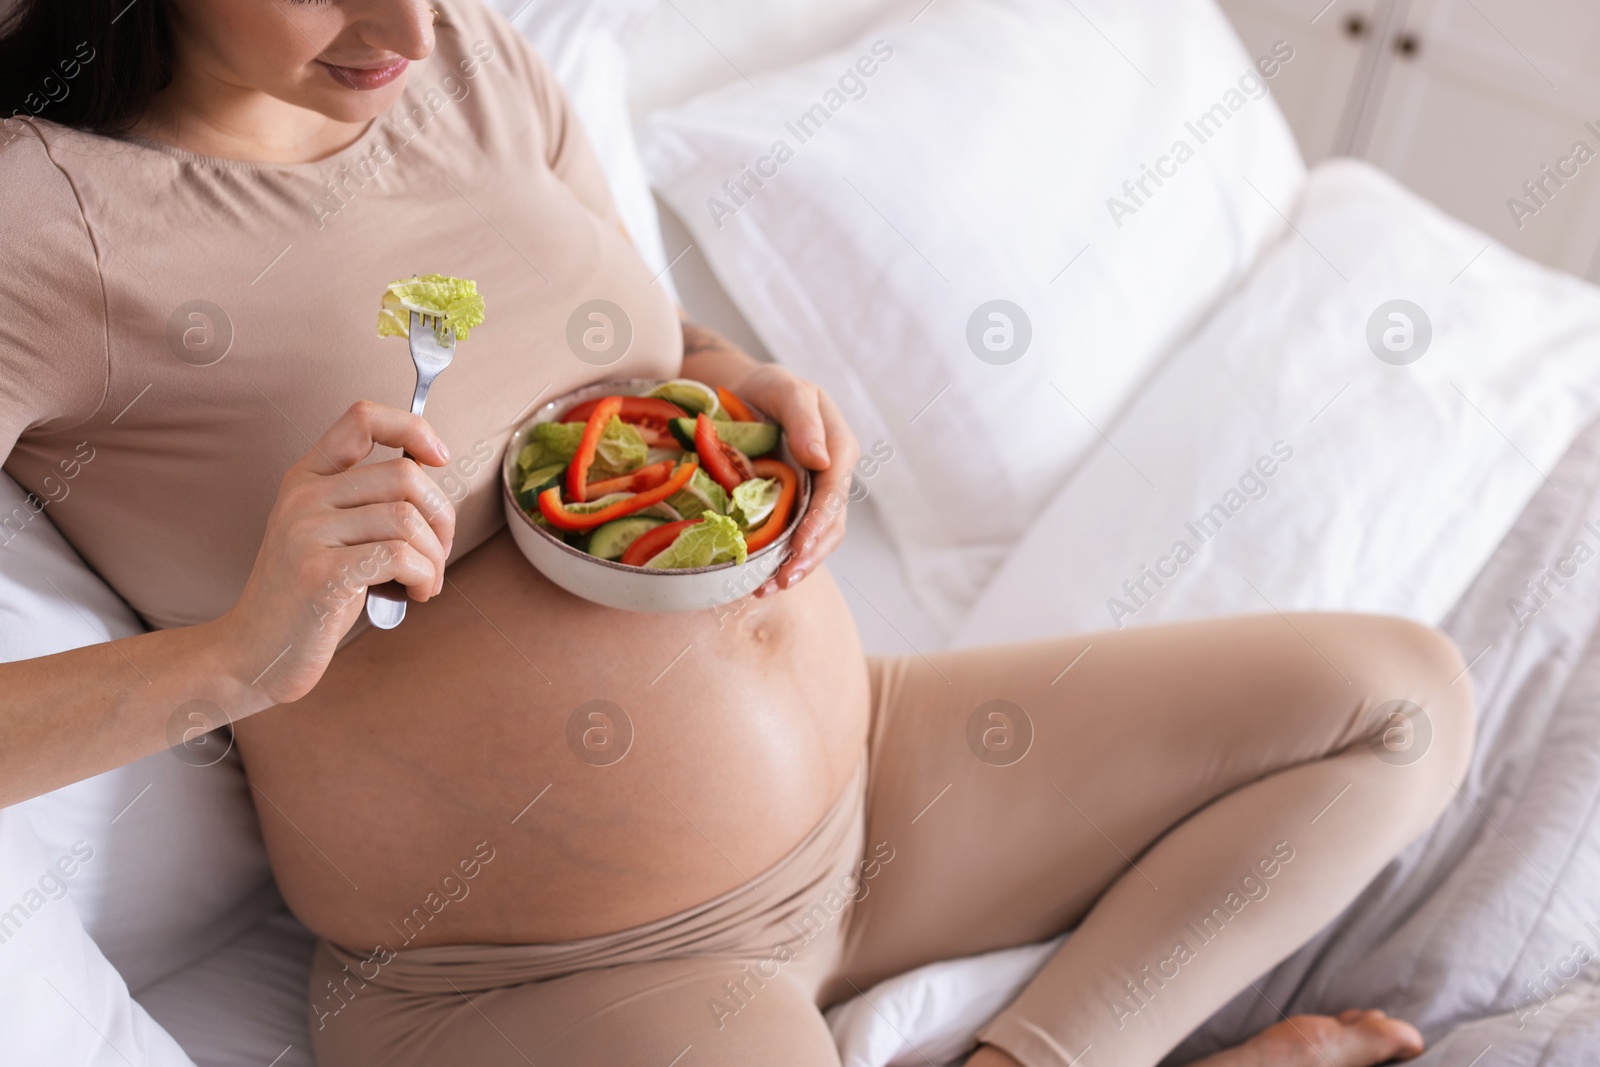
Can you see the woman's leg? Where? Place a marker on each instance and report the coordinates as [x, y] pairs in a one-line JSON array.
[[1199, 799], [668, 1013]]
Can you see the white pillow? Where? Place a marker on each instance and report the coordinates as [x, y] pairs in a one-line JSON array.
[[1402, 479], [178, 865], [687, 47], [60, 1001], [181, 872], [975, 164], [582, 43]]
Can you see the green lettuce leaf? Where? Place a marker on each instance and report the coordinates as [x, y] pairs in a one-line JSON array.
[[556, 440], [534, 456], [701, 495], [754, 499], [456, 300], [622, 448], [714, 539]]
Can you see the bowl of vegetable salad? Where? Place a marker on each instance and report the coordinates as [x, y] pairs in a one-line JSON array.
[[655, 496]]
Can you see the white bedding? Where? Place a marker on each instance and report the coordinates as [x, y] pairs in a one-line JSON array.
[[1485, 932], [1467, 931], [1399, 480], [1455, 927]]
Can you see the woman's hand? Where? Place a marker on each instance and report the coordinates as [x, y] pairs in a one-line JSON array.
[[822, 441], [335, 529]]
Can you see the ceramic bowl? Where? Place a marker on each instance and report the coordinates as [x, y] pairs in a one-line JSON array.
[[637, 588]]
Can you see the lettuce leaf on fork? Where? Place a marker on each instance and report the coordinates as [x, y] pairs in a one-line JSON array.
[[455, 300]]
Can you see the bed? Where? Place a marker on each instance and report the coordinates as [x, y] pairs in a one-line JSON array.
[[1174, 345]]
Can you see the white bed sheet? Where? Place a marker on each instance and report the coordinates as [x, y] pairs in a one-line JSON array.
[[245, 1004], [1464, 931]]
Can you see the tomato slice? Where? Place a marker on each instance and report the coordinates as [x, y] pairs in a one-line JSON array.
[[735, 407], [652, 543], [656, 436], [726, 464], [578, 469], [788, 489], [632, 482], [634, 408], [552, 509]]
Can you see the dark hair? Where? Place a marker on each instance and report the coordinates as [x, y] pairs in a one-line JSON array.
[[93, 64]]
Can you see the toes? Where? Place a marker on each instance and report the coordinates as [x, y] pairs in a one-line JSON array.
[[1396, 1037], [1355, 1038]]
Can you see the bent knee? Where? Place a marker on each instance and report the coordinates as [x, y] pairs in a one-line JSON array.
[[1417, 702]]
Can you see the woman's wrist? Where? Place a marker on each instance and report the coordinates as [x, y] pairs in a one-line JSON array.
[[711, 358], [225, 669]]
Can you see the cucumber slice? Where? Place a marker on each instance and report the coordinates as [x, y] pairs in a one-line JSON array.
[[751, 438], [612, 540], [543, 478], [536, 482], [690, 395]]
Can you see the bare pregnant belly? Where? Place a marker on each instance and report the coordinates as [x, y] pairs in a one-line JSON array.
[[591, 769]]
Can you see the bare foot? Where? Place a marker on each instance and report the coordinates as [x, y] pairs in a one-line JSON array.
[[1354, 1039]]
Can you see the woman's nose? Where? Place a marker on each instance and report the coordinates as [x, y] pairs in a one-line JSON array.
[[404, 27]]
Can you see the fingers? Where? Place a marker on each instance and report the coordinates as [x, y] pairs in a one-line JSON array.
[[395, 480], [365, 424], [393, 521], [821, 440], [387, 561], [818, 534], [822, 526], [800, 413]]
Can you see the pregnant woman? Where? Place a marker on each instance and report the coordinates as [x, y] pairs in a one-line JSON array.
[[205, 199]]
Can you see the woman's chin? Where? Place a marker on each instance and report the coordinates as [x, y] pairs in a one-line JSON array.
[[355, 105]]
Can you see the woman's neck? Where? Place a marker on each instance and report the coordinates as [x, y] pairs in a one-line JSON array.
[[205, 115]]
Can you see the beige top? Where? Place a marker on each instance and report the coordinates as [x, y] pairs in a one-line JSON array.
[[175, 330]]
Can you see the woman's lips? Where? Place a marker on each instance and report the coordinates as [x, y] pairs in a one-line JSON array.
[[366, 77]]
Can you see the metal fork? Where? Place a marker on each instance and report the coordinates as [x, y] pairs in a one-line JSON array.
[[386, 603]]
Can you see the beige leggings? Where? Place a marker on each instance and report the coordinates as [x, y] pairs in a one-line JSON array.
[[1197, 799]]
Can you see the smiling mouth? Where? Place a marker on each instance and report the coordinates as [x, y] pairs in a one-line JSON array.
[[366, 78]]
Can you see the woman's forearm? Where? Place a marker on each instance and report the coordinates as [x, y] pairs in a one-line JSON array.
[[72, 715], [711, 358], [66, 717]]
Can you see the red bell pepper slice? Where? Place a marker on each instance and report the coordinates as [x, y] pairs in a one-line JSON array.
[[652, 543], [726, 464], [632, 482], [736, 408], [650, 415], [552, 509], [778, 518], [578, 469]]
